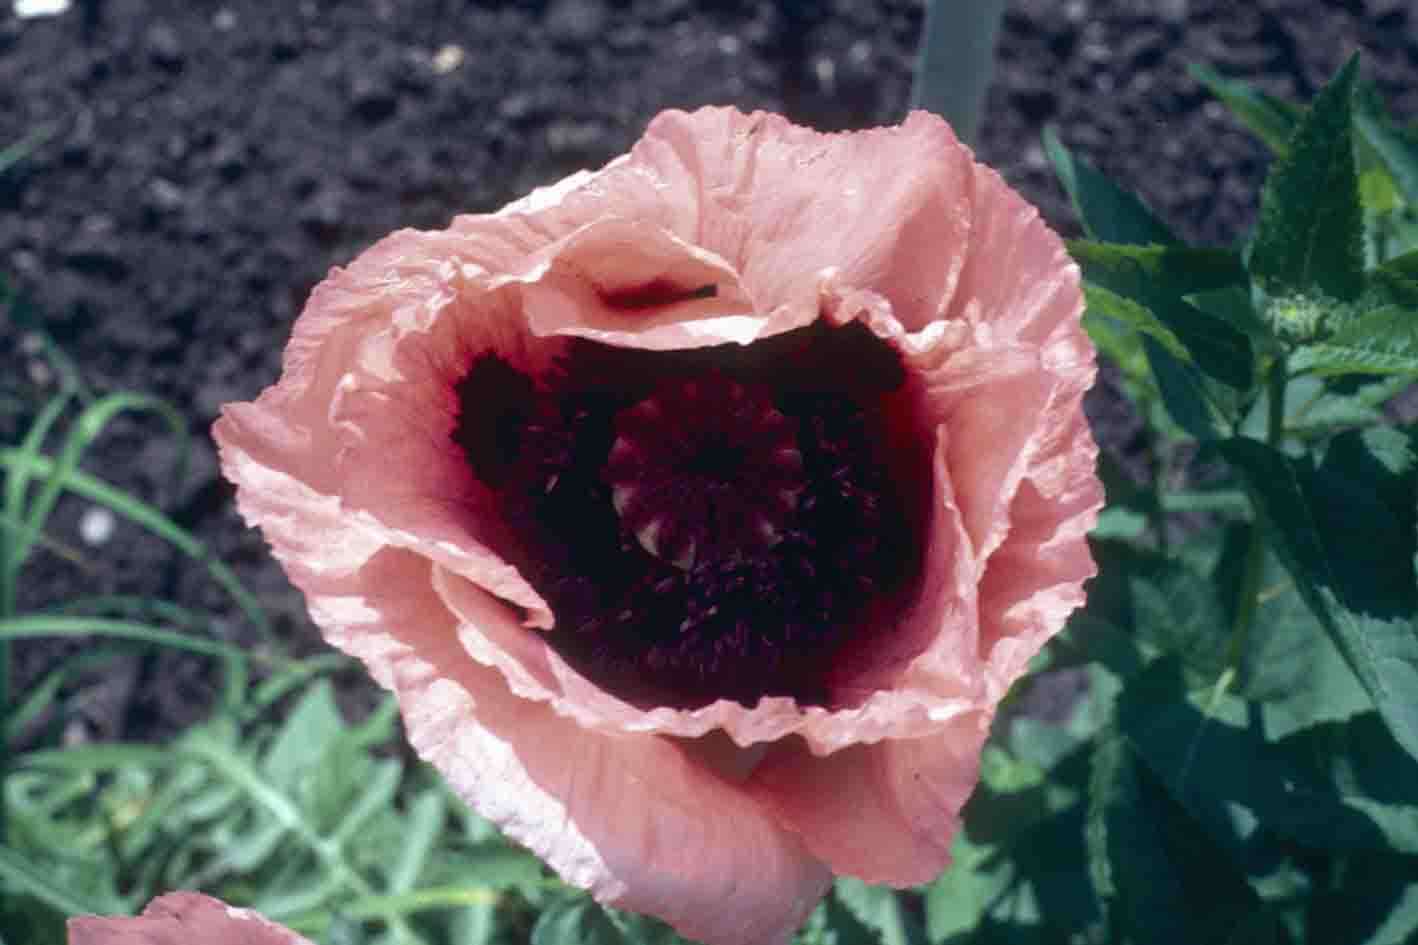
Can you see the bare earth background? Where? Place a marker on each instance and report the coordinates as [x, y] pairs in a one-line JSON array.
[[211, 160]]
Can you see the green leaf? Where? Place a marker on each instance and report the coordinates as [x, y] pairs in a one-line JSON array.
[[1396, 146], [961, 899], [1145, 271], [1183, 392], [498, 866], [1154, 279], [1384, 341], [1289, 664], [1271, 119], [1351, 557], [304, 737], [19, 873], [577, 921], [1151, 864], [1372, 901], [1215, 762], [1320, 406], [1356, 762], [1108, 212], [1133, 314], [1177, 611], [422, 825], [880, 909], [1310, 233]]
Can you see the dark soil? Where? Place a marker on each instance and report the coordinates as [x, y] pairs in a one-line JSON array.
[[211, 160]]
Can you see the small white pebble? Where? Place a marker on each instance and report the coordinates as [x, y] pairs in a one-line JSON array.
[[224, 20], [729, 45], [447, 59], [96, 526], [25, 9]]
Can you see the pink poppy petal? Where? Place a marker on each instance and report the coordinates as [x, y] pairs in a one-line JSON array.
[[183, 918], [1018, 277], [789, 206], [885, 812], [639, 821], [635, 285], [1036, 579]]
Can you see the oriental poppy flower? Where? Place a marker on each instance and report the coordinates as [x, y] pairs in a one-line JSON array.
[[183, 918], [699, 510]]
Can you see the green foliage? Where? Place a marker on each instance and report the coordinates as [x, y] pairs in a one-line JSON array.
[[1258, 681], [1271, 119], [1363, 592], [1311, 222]]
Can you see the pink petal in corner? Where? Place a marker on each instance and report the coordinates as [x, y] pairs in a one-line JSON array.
[[183, 918]]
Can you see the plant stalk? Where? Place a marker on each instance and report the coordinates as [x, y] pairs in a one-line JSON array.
[[1249, 601], [956, 62]]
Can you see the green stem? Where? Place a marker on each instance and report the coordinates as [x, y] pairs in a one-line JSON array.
[[1255, 554]]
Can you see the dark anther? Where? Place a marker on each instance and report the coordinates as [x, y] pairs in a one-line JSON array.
[[655, 293]]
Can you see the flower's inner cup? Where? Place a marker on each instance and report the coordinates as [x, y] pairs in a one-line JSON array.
[[704, 524]]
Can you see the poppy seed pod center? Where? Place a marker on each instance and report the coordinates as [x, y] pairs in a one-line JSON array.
[[705, 469], [706, 523]]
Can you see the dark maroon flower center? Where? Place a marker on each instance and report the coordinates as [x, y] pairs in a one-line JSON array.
[[704, 524], [705, 469]]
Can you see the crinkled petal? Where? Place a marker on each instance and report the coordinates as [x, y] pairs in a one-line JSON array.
[[637, 821], [1036, 579], [885, 812], [183, 918], [786, 204]]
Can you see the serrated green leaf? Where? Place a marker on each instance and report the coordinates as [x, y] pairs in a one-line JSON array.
[[1144, 287], [1271, 119], [1310, 233], [1381, 342], [1351, 560], [1107, 211]]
